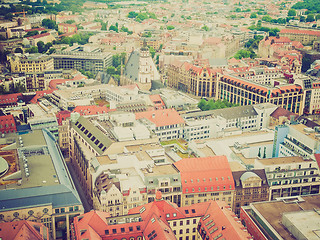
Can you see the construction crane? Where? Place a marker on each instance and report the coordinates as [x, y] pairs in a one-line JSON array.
[[24, 13]]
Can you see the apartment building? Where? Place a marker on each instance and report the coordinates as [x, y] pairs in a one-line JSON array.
[[250, 186], [35, 82], [30, 63], [246, 92], [290, 176], [204, 179]]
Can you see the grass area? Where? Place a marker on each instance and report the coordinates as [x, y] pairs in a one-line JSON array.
[[179, 142], [102, 102]]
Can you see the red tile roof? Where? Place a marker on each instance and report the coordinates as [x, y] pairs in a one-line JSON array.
[[7, 124], [163, 117], [34, 29], [22, 230], [157, 101], [54, 82], [39, 36], [40, 94], [205, 174], [9, 99], [297, 31]]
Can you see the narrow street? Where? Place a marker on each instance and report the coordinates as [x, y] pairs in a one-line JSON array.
[[84, 201]]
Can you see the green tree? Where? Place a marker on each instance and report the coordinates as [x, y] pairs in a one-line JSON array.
[[170, 27], [267, 18], [302, 18], [48, 23], [205, 28], [132, 14], [253, 15], [152, 51], [113, 28], [310, 18], [18, 50], [292, 13], [41, 47], [33, 49]]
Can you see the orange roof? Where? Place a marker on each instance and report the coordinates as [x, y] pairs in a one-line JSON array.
[[304, 32], [53, 83], [39, 36], [22, 229], [205, 174], [40, 94], [157, 101], [163, 117]]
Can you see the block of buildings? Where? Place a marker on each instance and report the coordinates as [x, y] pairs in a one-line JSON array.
[[67, 28], [287, 218], [161, 219], [37, 187], [204, 179], [306, 37]]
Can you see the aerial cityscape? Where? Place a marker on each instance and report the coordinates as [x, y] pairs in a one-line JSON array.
[[159, 119]]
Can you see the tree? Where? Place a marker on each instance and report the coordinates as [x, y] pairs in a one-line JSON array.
[[33, 49], [292, 13], [41, 47], [170, 27], [310, 18], [48, 23], [18, 50], [253, 15], [152, 51], [302, 18], [132, 14], [113, 28], [205, 28]]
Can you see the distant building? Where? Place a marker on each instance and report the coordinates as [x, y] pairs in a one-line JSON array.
[[306, 37], [67, 28], [32, 63]]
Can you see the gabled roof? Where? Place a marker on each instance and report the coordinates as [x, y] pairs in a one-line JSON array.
[[281, 112], [205, 174], [20, 230], [163, 117]]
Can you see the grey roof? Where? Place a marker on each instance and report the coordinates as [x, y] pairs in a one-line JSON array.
[[131, 70], [100, 136], [235, 112], [57, 195]]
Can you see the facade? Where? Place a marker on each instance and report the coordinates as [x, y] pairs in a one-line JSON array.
[[296, 140], [93, 62], [161, 219], [38, 187], [290, 176], [287, 218], [35, 82], [63, 130], [32, 63], [67, 28], [251, 186], [205, 179], [306, 37], [200, 81], [245, 92]]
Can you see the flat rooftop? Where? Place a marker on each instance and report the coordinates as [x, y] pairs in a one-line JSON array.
[[301, 128], [165, 169], [273, 211], [282, 160]]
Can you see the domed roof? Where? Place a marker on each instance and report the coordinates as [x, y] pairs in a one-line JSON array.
[[4, 166], [247, 175]]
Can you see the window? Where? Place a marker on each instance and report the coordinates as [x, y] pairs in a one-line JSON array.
[[187, 230], [181, 231], [181, 223], [188, 222], [174, 223], [114, 230], [194, 230], [138, 228], [130, 229], [122, 230], [106, 232]]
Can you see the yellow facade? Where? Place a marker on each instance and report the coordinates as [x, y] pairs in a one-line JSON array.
[[32, 63]]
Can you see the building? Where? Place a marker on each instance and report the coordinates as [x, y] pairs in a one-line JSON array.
[[296, 140], [205, 179], [87, 61], [245, 92], [67, 28], [306, 37], [37, 187], [161, 219], [63, 131], [32, 63], [140, 68], [43, 37], [290, 176], [165, 123], [199, 81], [35, 82], [287, 218], [250, 186], [24, 229]]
